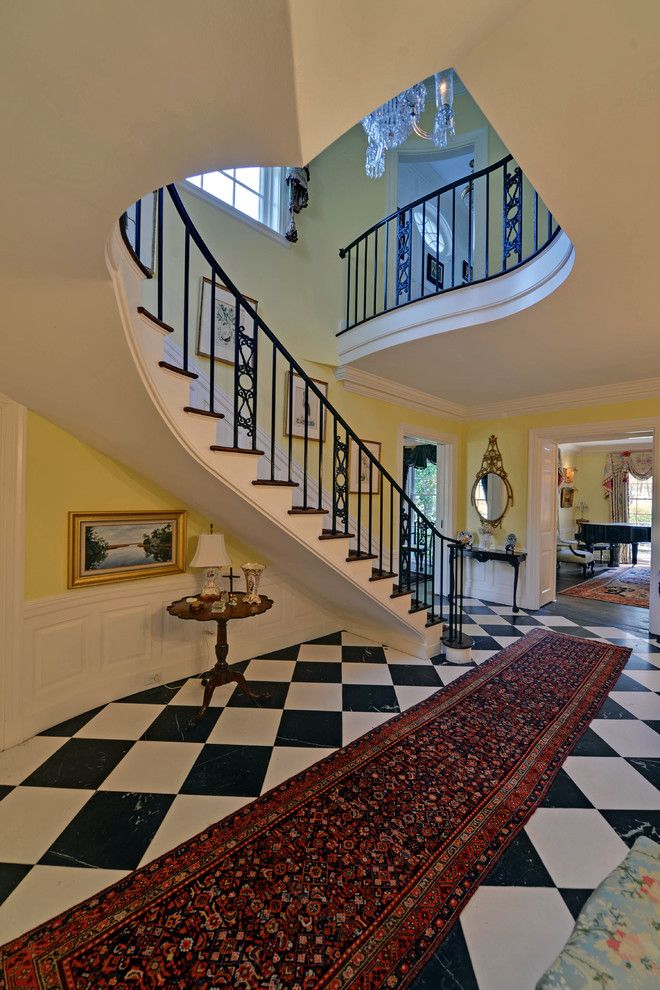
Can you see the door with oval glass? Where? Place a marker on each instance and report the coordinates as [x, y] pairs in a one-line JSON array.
[[423, 482]]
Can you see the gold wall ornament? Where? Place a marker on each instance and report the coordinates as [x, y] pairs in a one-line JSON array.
[[492, 495]]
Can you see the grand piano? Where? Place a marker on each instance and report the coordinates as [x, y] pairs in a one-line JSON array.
[[613, 533]]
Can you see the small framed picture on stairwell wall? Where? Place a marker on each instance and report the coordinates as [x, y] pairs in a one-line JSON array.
[[300, 405], [224, 323]]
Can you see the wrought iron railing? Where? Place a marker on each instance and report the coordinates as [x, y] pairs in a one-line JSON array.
[[236, 355], [477, 228]]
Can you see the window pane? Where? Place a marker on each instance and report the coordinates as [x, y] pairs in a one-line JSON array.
[[247, 202], [218, 185], [250, 177], [196, 180]]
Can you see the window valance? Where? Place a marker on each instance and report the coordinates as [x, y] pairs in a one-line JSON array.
[[638, 463]]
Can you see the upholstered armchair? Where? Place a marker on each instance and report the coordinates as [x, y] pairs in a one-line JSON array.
[[568, 553]]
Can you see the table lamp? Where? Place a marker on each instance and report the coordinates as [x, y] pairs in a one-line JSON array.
[[211, 555]]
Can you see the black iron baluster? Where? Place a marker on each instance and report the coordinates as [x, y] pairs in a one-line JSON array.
[[437, 244], [364, 279], [387, 263], [423, 250], [321, 428], [357, 279], [442, 578], [375, 268], [290, 421], [381, 484], [536, 221], [357, 452], [487, 223], [212, 345], [469, 251], [273, 403], [161, 272], [410, 254], [334, 474], [549, 224], [237, 356], [253, 388], [453, 237], [186, 290], [415, 555], [431, 617], [348, 292], [520, 237], [305, 444], [391, 528], [371, 500], [138, 229]]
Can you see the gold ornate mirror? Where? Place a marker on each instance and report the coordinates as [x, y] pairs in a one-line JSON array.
[[492, 495]]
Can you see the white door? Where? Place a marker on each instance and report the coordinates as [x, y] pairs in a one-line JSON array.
[[548, 524]]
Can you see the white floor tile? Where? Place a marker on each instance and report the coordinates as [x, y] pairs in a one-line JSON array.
[[154, 767], [555, 620], [610, 783], [48, 890], [365, 673], [627, 736], [480, 655], [505, 641], [355, 724], [120, 721], [190, 814], [472, 629], [246, 727], [396, 656], [577, 846], [31, 818], [641, 704], [352, 639], [286, 761], [314, 697], [270, 670], [322, 653], [649, 678], [513, 934], [610, 632], [19, 762], [489, 620], [409, 696], [192, 694], [448, 674]]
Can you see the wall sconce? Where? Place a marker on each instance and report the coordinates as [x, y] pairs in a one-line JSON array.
[[569, 475]]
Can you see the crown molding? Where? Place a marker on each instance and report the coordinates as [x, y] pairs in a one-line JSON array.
[[375, 387], [365, 383]]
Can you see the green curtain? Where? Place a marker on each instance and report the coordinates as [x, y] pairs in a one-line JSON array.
[[419, 456]]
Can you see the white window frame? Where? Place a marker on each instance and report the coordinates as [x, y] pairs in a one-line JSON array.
[[272, 194]]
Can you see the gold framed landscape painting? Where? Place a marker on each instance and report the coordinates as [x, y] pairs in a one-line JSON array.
[[125, 546]]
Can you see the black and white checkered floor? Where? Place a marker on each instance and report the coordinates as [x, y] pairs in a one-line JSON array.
[[87, 801]]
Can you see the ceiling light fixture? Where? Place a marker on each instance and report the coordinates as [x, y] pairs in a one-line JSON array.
[[390, 125]]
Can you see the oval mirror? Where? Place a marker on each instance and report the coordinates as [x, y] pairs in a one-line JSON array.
[[491, 497]]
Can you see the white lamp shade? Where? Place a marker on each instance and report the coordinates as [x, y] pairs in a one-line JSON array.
[[211, 551]]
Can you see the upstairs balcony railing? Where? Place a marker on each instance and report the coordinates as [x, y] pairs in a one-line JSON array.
[[472, 230], [242, 375]]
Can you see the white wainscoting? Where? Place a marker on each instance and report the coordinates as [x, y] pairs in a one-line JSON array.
[[94, 645], [492, 581]]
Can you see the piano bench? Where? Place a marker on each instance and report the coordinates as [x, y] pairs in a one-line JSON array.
[[583, 558]]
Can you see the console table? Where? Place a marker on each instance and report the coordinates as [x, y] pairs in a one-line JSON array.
[[221, 673], [514, 559]]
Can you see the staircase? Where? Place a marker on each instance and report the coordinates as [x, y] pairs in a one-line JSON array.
[[262, 432]]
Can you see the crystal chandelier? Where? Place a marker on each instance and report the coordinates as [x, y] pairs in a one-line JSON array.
[[390, 125]]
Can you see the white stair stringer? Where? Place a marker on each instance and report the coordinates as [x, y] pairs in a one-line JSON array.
[[219, 484]]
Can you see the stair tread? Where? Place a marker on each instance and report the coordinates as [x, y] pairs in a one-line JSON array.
[[235, 450], [377, 575], [300, 511], [203, 412], [328, 534], [178, 371], [268, 483], [353, 555], [400, 594], [143, 311]]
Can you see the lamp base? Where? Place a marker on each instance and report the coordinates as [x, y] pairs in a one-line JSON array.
[[210, 591]]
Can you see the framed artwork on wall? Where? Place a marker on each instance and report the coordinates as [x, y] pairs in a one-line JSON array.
[[295, 412], [435, 271], [358, 469], [224, 322], [566, 498], [124, 546]]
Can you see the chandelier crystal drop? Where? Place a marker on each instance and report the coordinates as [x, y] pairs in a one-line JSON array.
[[390, 125]]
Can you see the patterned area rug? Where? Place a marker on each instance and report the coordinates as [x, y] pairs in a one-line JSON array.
[[623, 585], [351, 873]]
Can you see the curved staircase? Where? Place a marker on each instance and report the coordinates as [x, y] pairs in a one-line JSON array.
[[372, 554]]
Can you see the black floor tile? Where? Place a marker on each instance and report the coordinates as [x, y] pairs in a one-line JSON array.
[[629, 825], [71, 725], [363, 654], [162, 694], [173, 724], [520, 866], [575, 899], [626, 683], [302, 728], [317, 671], [369, 698], [565, 793], [111, 832], [5, 790], [637, 662], [520, 619], [288, 653], [80, 763], [476, 610], [272, 694], [611, 709], [649, 768], [332, 639], [450, 967], [500, 630], [421, 675], [228, 770], [653, 724], [485, 643], [11, 874], [592, 745]]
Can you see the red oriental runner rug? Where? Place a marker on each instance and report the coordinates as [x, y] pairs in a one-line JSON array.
[[351, 873], [623, 585]]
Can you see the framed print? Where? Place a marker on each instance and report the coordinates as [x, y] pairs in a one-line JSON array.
[[294, 408], [224, 322], [124, 546], [566, 498], [435, 271], [361, 464]]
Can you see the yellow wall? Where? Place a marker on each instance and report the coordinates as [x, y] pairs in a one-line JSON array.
[[589, 485], [65, 475], [513, 439]]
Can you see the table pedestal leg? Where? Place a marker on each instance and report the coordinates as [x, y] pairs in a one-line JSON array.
[[516, 567], [221, 674]]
